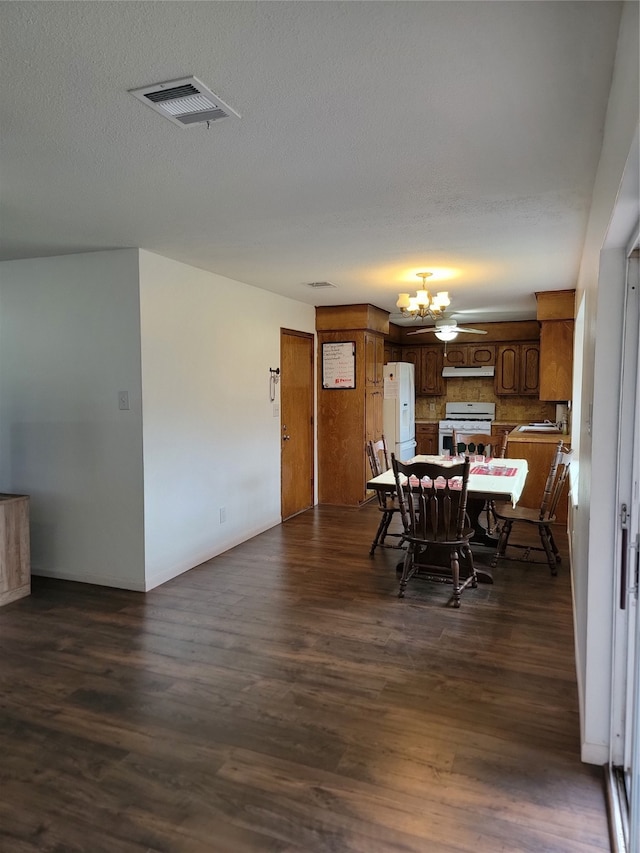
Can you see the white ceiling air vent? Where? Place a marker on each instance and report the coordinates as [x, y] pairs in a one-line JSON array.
[[317, 284], [184, 102]]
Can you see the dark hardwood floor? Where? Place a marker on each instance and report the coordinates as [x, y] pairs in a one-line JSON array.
[[281, 698]]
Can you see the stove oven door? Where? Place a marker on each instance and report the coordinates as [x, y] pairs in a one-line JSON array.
[[445, 437]]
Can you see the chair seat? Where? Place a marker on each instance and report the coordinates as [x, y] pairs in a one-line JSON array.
[[520, 513]]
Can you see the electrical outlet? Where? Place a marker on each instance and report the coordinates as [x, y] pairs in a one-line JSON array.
[[223, 514], [123, 401]]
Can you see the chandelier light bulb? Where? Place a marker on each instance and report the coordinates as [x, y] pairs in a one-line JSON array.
[[423, 305]]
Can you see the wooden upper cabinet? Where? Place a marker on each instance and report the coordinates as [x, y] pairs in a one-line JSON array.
[[412, 355], [392, 352], [529, 369], [507, 375], [427, 362], [430, 382], [470, 355], [556, 310], [481, 354], [517, 370], [374, 358], [556, 360]]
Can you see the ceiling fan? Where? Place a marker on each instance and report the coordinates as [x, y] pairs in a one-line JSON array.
[[446, 329]]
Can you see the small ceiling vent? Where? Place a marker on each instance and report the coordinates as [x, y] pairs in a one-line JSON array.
[[320, 284], [184, 102]]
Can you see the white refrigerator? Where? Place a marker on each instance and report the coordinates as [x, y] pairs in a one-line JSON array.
[[399, 421]]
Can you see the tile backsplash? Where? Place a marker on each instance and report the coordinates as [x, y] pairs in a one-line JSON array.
[[508, 409]]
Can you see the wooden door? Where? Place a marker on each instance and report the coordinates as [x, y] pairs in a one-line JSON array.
[[296, 422]]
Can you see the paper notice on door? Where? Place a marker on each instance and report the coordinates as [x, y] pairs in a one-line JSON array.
[[391, 387]]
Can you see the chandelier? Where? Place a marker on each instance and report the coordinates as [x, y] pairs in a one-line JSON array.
[[423, 305]]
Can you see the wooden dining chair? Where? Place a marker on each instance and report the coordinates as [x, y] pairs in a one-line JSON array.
[[378, 456], [492, 444], [540, 519], [433, 512]]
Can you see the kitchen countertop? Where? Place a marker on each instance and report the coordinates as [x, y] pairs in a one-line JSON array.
[[516, 437]]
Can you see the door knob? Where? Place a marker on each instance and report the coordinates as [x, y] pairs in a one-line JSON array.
[[286, 437]]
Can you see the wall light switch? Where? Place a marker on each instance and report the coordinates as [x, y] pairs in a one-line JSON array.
[[276, 410], [123, 401]]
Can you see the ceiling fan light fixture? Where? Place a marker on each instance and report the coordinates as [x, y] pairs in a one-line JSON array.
[[446, 335]]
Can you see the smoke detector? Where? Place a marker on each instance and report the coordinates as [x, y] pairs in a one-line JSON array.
[[184, 102]]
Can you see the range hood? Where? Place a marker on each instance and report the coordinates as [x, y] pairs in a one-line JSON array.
[[478, 372]]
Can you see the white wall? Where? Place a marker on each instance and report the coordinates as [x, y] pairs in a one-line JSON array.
[[69, 342], [599, 288], [210, 436]]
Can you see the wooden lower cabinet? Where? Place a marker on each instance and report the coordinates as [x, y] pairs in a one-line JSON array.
[[539, 451], [15, 562], [427, 439]]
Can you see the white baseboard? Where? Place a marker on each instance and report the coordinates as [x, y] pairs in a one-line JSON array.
[[155, 579], [594, 753]]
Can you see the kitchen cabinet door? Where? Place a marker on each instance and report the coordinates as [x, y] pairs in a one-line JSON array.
[[412, 355], [556, 360], [392, 353], [373, 414], [427, 439], [529, 369], [470, 355], [507, 375], [456, 355], [431, 381], [481, 355], [374, 358], [517, 370]]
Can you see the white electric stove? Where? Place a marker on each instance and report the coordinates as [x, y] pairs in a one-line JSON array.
[[464, 417]]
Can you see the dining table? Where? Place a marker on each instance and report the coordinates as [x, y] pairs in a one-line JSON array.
[[489, 479]]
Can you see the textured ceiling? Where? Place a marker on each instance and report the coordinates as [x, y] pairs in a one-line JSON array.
[[377, 139]]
